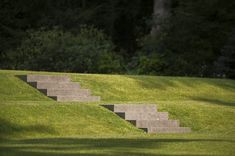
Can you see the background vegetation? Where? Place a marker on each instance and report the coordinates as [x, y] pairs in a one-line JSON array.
[[197, 39]]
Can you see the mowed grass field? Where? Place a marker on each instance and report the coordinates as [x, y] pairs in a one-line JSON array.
[[32, 124]]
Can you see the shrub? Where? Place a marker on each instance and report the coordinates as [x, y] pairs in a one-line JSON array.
[[54, 50]]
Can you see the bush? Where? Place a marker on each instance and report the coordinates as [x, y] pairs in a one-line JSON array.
[[225, 65], [54, 50]]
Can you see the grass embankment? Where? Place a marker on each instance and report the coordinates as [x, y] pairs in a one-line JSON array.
[[32, 124]]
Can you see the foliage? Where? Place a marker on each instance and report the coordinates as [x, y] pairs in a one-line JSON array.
[[191, 43], [123, 20], [226, 62], [55, 50], [191, 39]]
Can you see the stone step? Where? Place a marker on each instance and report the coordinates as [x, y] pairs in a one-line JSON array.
[[147, 118], [154, 123], [76, 98], [131, 107], [167, 130], [143, 116], [59, 88], [55, 85], [47, 78], [72, 92]]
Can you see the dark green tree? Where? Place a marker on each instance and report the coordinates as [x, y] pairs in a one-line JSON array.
[[190, 40], [226, 62]]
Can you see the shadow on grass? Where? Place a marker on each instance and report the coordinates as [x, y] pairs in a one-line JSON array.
[[214, 101], [22, 77], [163, 82], [151, 82], [98, 146], [9, 128]]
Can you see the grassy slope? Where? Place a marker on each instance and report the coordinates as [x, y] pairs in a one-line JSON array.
[[205, 105]]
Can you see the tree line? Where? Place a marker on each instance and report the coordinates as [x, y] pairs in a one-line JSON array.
[[155, 37]]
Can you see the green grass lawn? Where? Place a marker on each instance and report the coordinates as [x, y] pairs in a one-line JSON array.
[[32, 124]]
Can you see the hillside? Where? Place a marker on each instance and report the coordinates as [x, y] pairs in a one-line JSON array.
[[30, 119]]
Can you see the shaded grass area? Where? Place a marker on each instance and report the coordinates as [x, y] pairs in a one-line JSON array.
[[167, 146], [214, 101], [8, 128], [46, 119], [33, 124]]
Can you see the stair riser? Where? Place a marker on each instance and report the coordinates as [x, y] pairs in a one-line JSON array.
[[44, 78]]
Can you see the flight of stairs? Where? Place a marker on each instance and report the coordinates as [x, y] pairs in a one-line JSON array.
[[60, 88], [147, 118]]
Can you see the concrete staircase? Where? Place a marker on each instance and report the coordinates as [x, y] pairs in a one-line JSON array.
[[147, 118], [60, 88]]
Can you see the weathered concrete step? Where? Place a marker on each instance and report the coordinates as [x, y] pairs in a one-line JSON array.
[[147, 118], [76, 98], [55, 85], [143, 116], [59, 88], [154, 123], [131, 107], [168, 130], [71, 92], [47, 78]]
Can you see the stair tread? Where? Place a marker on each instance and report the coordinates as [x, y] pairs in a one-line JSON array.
[[168, 128], [76, 98], [143, 116], [64, 89], [61, 92], [154, 123], [55, 85], [130, 107], [47, 78]]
